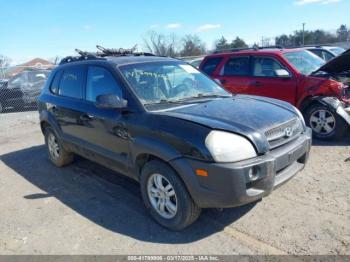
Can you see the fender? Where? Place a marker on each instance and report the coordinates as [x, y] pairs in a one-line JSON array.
[[46, 116], [146, 145], [151, 146]]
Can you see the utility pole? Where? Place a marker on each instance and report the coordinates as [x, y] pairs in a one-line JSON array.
[[304, 34]]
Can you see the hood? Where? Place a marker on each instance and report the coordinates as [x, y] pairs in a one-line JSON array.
[[338, 64], [249, 116]]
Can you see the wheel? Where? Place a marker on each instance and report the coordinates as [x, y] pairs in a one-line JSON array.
[[1, 108], [325, 124], [57, 154], [166, 197]]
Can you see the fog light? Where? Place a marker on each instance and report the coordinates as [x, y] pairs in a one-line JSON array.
[[253, 173]]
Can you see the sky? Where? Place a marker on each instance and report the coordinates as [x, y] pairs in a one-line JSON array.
[[49, 28]]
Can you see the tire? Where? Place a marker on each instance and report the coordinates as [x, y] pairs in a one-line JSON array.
[[1, 108], [186, 212], [325, 123], [57, 154]]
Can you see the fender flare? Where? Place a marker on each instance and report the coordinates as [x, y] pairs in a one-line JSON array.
[[46, 117], [145, 145], [166, 153]]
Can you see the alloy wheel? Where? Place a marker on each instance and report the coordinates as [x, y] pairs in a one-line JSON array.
[[53, 146], [322, 122], [162, 196]]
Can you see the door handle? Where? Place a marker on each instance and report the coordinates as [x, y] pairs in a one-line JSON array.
[[257, 84], [54, 109], [86, 117]]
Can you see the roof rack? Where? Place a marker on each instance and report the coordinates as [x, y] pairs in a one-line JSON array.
[[255, 48], [102, 53]]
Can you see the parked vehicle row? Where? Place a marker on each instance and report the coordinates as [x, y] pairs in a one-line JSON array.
[[326, 52], [162, 122], [320, 91], [22, 90]]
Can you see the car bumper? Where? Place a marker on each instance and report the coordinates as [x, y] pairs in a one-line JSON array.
[[229, 184], [344, 112]]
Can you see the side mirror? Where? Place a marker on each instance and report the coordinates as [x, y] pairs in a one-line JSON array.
[[282, 73], [110, 101]]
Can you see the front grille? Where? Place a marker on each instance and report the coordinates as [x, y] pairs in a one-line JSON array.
[[284, 133]]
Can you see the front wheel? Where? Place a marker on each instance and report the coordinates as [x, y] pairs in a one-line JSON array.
[[325, 123], [166, 197]]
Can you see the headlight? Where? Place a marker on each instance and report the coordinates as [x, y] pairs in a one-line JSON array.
[[300, 115], [228, 147]]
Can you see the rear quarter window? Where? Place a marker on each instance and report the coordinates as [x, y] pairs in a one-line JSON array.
[[55, 82], [210, 64]]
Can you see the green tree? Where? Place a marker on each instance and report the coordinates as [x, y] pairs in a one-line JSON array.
[[222, 44], [238, 43], [283, 40], [343, 34]]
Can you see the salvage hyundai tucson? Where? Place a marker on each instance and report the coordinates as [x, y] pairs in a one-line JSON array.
[[188, 142]]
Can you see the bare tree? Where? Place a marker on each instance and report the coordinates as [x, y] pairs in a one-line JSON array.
[[161, 45], [192, 46], [4, 63]]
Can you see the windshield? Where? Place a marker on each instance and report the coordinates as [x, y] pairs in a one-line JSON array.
[[304, 61], [159, 82], [337, 50]]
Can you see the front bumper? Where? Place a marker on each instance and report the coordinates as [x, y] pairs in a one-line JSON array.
[[229, 184]]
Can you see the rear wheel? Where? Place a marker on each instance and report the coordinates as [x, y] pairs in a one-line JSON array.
[[325, 123], [166, 197], [57, 154]]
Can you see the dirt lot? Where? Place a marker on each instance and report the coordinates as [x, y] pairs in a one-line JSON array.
[[87, 209]]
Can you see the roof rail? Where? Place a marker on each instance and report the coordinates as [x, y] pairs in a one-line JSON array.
[[255, 48], [233, 50], [272, 47], [104, 52]]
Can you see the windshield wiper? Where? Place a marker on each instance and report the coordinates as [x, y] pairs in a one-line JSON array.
[[213, 95], [200, 96], [185, 99], [164, 101]]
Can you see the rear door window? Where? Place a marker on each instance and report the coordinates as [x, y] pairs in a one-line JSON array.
[[211, 64], [71, 84], [236, 66]]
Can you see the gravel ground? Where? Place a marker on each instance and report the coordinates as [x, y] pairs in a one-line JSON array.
[[87, 209]]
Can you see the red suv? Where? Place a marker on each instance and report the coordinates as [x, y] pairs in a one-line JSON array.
[[297, 76]]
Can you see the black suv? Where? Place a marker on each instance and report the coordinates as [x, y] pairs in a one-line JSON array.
[[160, 121]]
